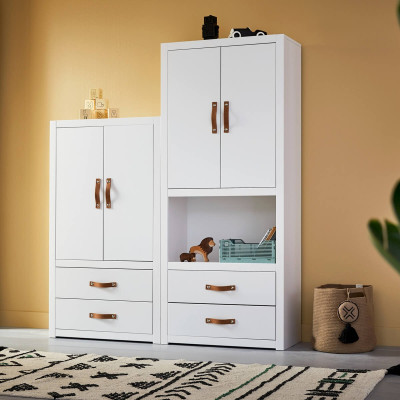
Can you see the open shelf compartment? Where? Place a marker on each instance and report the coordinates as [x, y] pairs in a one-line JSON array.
[[192, 219]]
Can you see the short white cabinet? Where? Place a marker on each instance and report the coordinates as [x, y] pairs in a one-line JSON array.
[[104, 229]]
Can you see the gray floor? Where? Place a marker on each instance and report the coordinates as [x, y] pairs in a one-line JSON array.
[[300, 355]]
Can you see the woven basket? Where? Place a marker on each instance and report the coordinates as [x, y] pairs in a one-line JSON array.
[[327, 326]]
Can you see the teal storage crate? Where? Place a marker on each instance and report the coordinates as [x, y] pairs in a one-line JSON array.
[[237, 251]]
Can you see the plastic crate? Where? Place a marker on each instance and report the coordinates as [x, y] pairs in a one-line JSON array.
[[237, 251]]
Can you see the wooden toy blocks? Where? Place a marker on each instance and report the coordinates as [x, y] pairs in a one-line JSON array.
[[101, 104], [90, 104], [96, 107], [85, 113], [113, 113], [100, 114], [96, 94]]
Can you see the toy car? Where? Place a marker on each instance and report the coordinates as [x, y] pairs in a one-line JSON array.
[[241, 32]]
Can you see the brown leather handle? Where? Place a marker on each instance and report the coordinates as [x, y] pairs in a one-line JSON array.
[[220, 321], [221, 288], [226, 116], [108, 194], [102, 285], [97, 193], [214, 117], [102, 316]]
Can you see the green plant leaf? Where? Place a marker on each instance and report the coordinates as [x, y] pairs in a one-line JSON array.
[[393, 239], [376, 231], [398, 12], [396, 200]]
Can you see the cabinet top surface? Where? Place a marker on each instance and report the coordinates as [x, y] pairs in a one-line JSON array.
[[229, 42], [104, 122]]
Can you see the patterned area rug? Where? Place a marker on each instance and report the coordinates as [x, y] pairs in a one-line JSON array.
[[37, 374]]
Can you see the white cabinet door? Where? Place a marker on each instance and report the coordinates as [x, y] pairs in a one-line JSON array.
[[193, 148], [79, 226], [128, 162], [248, 84]]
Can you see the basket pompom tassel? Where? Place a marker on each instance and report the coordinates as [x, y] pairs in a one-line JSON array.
[[395, 370], [348, 335]]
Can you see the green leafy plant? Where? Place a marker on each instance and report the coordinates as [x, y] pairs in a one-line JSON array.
[[398, 11], [386, 237]]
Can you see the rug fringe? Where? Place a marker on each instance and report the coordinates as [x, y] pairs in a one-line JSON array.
[[395, 370]]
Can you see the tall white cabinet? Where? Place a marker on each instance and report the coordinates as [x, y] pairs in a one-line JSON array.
[[231, 168], [104, 229]]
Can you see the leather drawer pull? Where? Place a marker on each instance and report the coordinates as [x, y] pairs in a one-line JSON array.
[[103, 285], [226, 116], [214, 117], [108, 190], [97, 193], [221, 288], [220, 321], [103, 316]]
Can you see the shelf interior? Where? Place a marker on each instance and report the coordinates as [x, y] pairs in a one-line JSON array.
[[191, 219]]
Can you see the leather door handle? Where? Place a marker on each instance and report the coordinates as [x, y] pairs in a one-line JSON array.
[[214, 117], [97, 193], [102, 285], [221, 288], [226, 116], [108, 194], [220, 321], [102, 316]]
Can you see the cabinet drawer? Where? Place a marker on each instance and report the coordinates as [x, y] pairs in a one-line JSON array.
[[255, 288], [130, 317], [131, 285], [251, 322]]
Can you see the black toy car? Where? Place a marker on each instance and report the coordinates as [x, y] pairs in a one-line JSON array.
[[241, 32]]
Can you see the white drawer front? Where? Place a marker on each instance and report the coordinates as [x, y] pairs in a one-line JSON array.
[[131, 285], [254, 288], [251, 322], [131, 317]]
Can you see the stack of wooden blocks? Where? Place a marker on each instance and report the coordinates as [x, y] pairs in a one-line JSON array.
[[97, 107]]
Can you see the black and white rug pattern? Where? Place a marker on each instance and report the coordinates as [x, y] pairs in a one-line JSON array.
[[42, 375]]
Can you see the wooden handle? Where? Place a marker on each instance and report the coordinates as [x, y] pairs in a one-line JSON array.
[[220, 321], [108, 195], [221, 288], [97, 193], [102, 285], [226, 116], [102, 316], [214, 117]]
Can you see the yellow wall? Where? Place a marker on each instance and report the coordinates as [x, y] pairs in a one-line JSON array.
[[53, 51]]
